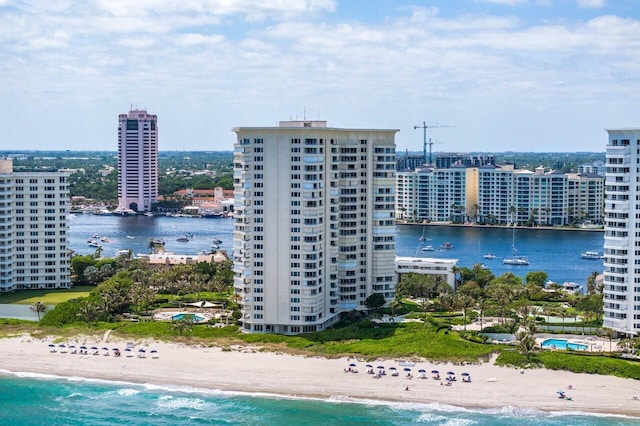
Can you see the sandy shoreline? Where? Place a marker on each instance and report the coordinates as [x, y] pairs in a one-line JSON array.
[[266, 372]]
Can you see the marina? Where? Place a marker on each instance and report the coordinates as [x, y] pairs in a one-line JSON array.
[[556, 252]]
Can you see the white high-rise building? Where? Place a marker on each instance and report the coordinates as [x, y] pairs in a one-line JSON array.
[[622, 235], [314, 228], [33, 229], [137, 161]]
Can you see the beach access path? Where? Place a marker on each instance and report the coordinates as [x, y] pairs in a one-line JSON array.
[[250, 370]]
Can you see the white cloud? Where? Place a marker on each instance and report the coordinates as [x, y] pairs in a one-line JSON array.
[[591, 4], [192, 39], [228, 62], [136, 43]]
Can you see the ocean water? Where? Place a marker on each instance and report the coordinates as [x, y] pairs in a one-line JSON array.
[[555, 252], [29, 399]]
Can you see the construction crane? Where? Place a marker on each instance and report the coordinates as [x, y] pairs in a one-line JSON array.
[[424, 128]]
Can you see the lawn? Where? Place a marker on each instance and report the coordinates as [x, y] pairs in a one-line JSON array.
[[48, 297]]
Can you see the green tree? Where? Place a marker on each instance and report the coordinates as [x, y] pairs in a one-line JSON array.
[[538, 278], [465, 303], [39, 308], [375, 301], [526, 343], [182, 325]]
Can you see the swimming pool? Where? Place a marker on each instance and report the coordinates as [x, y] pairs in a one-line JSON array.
[[563, 344], [189, 317]]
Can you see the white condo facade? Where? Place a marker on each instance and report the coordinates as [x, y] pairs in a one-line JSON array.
[[622, 234], [33, 229], [314, 231], [499, 194], [137, 161]]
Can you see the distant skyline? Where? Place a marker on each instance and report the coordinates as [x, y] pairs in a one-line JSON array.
[[510, 75]]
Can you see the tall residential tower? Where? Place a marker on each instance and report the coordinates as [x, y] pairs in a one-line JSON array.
[[137, 161], [315, 231], [622, 232], [33, 229]]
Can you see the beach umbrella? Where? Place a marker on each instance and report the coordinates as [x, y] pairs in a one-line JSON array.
[[369, 366], [451, 373], [83, 347], [352, 365], [407, 369], [392, 368], [62, 345], [127, 350], [115, 349], [381, 367], [51, 345], [153, 351], [141, 350], [105, 349], [435, 372], [422, 371], [93, 348], [465, 374]]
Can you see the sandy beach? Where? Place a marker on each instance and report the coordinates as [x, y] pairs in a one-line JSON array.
[[250, 370]]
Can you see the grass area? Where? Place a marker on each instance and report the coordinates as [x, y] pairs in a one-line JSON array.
[[48, 297], [576, 362], [407, 340]]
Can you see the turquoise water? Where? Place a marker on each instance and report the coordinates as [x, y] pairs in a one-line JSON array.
[[563, 344], [190, 317], [46, 400]]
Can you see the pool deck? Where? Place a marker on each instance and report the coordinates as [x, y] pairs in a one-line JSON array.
[[594, 343]]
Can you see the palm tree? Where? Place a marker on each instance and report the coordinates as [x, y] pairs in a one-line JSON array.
[[395, 303], [526, 343], [591, 282], [88, 312], [465, 303], [39, 308], [182, 325]]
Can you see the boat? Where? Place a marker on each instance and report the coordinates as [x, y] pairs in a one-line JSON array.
[[212, 215], [571, 287], [104, 239], [131, 237], [489, 256], [484, 266], [217, 241], [157, 242], [446, 245], [591, 255], [514, 259], [428, 248], [182, 238], [148, 214], [94, 243]]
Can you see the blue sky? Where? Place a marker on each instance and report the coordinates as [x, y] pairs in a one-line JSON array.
[[520, 75]]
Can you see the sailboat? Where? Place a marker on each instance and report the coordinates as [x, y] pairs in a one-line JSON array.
[[514, 259], [421, 240]]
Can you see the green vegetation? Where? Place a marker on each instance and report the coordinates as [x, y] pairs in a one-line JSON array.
[[47, 297], [577, 362]]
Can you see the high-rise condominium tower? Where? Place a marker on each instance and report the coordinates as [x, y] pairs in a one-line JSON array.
[[622, 232], [137, 161], [315, 226], [33, 229]]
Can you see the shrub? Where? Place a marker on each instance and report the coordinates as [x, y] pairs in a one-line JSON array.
[[64, 313]]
